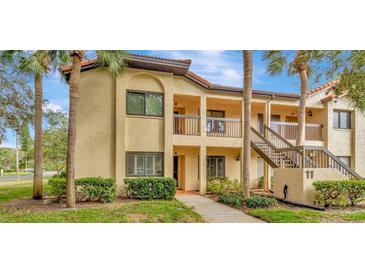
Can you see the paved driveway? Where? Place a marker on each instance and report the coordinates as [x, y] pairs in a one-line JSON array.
[[26, 177], [214, 212]]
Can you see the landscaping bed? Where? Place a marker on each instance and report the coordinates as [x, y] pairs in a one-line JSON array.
[[280, 212], [17, 206]]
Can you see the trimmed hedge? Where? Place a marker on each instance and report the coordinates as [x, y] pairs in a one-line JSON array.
[[257, 201], [339, 193], [222, 186], [149, 188], [87, 189]]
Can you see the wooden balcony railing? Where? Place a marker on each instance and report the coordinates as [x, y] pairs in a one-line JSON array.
[[224, 127], [186, 124], [313, 132]]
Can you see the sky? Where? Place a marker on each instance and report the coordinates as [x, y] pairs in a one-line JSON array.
[[219, 67]]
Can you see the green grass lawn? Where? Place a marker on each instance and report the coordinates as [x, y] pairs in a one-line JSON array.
[[305, 216], [136, 211]]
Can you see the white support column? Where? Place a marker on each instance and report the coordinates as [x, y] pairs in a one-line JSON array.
[[203, 169], [203, 116], [267, 122], [169, 124]]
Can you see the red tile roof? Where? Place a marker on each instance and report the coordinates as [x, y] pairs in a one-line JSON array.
[[322, 87], [162, 63], [85, 63], [328, 98]]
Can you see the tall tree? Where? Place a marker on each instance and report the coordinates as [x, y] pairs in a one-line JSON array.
[[304, 63], [36, 64], [114, 60], [55, 140], [247, 96], [25, 144]]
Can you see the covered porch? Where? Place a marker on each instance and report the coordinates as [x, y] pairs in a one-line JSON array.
[[194, 164]]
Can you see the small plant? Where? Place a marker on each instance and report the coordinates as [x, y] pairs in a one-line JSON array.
[[260, 182], [232, 199], [58, 187], [223, 186], [257, 201], [149, 188]]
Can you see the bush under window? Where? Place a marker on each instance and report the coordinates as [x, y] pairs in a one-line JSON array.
[[222, 186], [149, 188]]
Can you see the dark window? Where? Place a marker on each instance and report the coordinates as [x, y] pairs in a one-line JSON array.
[[144, 164], [342, 119], [144, 103], [215, 166]]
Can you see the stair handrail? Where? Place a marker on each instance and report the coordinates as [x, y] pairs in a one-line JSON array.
[[281, 138]]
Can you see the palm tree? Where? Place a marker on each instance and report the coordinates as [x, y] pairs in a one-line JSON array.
[[36, 64], [247, 96], [299, 62], [114, 60]]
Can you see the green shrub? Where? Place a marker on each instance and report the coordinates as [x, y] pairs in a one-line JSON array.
[[97, 189], [148, 188], [58, 187], [61, 175], [222, 186], [339, 193], [232, 199], [257, 201], [87, 189], [260, 182]]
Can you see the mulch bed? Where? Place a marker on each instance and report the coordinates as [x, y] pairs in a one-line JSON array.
[[51, 204]]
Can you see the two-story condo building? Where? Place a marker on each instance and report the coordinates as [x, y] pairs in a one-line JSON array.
[[158, 118]]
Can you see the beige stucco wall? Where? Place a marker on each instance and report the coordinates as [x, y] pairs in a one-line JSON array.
[[299, 182], [95, 142]]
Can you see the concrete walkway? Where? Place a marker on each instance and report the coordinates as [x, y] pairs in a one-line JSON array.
[[214, 212]]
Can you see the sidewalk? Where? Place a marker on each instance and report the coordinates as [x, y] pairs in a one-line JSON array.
[[214, 212]]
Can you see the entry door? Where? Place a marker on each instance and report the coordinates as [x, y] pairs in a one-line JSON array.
[[176, 169]]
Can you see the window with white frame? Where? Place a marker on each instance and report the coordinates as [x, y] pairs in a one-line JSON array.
[[341, 119], [144, 164], [216, 166]]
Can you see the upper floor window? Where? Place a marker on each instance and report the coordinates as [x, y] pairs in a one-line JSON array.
[[144, 103], [341, 119]]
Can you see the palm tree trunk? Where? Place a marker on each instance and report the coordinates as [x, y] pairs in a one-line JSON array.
[[17, 153], [38, 176], [73, 106], [302, 104], [247, 95]]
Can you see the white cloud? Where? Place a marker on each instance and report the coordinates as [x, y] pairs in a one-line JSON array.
[[53, 107]]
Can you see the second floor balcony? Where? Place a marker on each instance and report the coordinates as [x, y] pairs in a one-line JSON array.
[[232, 127], [313, 132], [216, 127]]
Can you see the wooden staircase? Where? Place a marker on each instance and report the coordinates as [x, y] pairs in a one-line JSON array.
[[280, 153]]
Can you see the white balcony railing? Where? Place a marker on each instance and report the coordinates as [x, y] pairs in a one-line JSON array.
[[313, 132], [223, 127], [186, 124]]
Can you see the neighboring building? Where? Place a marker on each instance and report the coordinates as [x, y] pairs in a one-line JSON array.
[[157, 118]]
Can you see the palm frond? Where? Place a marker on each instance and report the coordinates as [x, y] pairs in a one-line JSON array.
[[275, 61], [114, 60]]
